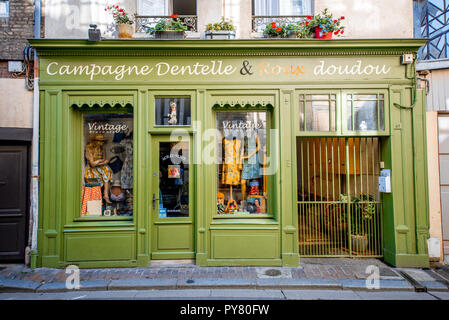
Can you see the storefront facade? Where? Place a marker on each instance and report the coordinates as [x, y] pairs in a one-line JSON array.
[[192, 150]]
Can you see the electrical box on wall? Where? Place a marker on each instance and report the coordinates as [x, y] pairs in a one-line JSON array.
[[385, 181], [407, 58]]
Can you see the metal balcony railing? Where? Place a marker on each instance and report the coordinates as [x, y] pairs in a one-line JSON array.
[[143, 22], [259, 22]]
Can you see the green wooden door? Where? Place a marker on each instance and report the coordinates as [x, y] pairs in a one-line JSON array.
[[172, 208]]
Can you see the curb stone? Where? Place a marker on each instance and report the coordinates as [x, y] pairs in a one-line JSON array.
[[91, 285], [8, 285], [142, 284], [385, 285], [304, 283], [208, 283]]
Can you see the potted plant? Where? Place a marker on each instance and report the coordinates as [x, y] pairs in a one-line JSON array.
[[273, 30], [220, 30], [362, 212], [173, 29], [122, 21], [324, 25]]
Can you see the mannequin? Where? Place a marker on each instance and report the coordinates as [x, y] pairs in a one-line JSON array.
[[97, 164], [232, 164], [251, 168]]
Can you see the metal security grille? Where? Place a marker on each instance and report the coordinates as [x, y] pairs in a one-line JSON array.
[[339, 213]]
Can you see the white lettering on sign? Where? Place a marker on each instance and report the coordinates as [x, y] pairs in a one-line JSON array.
[[355, 69], [161, 69]]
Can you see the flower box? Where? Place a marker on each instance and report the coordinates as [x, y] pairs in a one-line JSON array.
[[220, 35], [170, 35]]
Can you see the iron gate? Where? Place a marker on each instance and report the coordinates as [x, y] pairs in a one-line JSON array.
[[339, 212]]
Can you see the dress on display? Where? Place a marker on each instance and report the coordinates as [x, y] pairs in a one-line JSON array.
[[101, 173], [251, 169], [232, 161]]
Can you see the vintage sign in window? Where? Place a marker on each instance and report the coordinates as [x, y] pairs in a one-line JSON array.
[[173, 111], [242, 142], [107, 164]]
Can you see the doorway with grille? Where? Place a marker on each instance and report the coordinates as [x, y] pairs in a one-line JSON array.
[[339, 208]]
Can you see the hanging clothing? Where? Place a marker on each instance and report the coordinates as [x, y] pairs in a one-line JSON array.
[[251, 169], [126, 177], [232, 161], [90, 194]]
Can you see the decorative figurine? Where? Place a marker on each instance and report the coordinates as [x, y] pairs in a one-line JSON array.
[[220, 203], [172, 114]]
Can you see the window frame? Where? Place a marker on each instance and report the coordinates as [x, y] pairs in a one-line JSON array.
[[270, 178], [167, 129], [296, 114]]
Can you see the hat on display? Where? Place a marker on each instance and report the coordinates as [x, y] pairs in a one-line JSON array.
[[98, 137], [115, 164]]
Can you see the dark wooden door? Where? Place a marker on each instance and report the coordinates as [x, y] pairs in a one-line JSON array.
[[13, 201]]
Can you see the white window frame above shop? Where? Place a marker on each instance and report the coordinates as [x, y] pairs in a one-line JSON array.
[[282, 7], [4, 9], [154, 7]]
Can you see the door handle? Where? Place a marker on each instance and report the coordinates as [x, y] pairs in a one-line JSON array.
[[154, 201]]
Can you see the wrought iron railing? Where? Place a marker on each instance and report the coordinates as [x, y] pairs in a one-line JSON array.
[[434, 24], [259, 22], [143, 22]]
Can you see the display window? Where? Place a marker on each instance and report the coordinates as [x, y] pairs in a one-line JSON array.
[[242, 146], [107, 176]]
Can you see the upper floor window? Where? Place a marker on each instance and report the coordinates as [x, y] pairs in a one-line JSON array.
[[166, 7], [282, 7]]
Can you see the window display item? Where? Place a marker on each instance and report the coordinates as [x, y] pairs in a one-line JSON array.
[[117, 193], [172, 114], [251, 168], [91, 201], [254, 187], [127, 168], [97, 165], [220, 203], [174, 171], [115, 163]]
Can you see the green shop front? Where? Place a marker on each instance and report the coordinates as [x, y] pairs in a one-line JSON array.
[[236, 152]]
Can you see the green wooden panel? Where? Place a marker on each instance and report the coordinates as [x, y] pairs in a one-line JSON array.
[[174, 237], [100, 246], [245, 245]]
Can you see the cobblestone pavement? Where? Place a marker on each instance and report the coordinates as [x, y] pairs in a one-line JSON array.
[[326, 268]]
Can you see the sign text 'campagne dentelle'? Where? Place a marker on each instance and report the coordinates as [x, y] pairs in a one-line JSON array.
[[215, 68]]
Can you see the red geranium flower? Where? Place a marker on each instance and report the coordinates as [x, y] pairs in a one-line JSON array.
[[174, 16], [279, 29], [336, 32], [342, 18], [309, 17], [335, 21], [342, 32], [307, 23]]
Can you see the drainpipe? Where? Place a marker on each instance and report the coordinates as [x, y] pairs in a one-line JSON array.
[[35, 143]]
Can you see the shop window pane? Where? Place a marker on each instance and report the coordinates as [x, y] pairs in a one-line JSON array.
[[173, 111], [301, 115], [173, 179], [366, 112], [108, 164], [242, 144], [317, 115]]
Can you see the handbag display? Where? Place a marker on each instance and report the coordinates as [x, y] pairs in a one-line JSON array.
[[115, 164]]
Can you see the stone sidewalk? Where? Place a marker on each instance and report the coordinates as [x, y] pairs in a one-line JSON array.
[[313, 273]]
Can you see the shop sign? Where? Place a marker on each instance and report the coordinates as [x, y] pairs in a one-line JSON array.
[[257, 69]]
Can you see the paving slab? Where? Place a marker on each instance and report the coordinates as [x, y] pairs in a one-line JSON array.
[[186, 294], [434, 285], [301, 283], [89, 285], [375, 295], [206, 283], [384, 285], [142, 284], [8, 285], [246, 294], [320, 295]]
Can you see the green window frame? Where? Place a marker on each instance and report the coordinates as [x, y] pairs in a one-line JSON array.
[[170, 94]]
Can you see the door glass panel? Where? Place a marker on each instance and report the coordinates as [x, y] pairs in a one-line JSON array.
[[173, 179], [364, 111], [319, 112]]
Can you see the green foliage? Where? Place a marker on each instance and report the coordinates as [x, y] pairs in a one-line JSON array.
[[326, 22], [175, 24], [223, 25], [119, 15]]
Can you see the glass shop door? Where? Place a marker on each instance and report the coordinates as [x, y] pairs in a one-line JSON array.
[[172, 209]]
